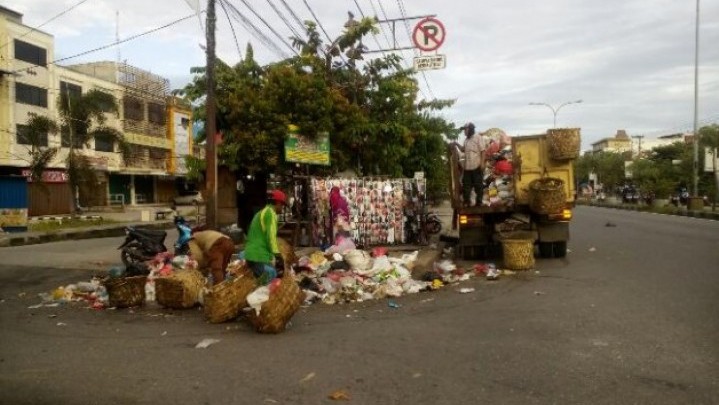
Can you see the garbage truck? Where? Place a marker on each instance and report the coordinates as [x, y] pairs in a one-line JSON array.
[[515, 207]]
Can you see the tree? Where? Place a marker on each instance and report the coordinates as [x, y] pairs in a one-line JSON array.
[[371, 112], [609, 167], [709, 137], [82, 119]]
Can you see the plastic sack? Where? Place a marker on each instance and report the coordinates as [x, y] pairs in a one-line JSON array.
[[445, 266], [381, 263], [379, 251], [258, 297], [358, 259]]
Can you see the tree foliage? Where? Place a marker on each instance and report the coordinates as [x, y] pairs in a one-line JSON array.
[[369, 107]]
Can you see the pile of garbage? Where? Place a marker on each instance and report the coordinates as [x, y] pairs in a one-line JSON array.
[[498, 187], [357, 276]]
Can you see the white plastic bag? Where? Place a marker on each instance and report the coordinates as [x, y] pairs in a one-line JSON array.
[[258, 297]]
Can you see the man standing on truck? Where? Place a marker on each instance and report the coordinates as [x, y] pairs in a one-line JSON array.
[[472, 164]]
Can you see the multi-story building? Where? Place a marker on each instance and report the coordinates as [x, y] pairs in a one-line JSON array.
[[144, 123], [618, 143], [25, 83], [157, 127]]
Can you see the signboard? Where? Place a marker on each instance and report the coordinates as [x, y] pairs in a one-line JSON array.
[[48, 176], [182, 146], [429, 34], [708, 160], [301, 149], [146, 140], [430, 62]]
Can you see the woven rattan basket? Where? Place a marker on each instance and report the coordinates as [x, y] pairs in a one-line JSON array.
[[126, 292], [563, 143], [518, 250], [280, 308], [287, 251], [180, 290], [547, 195], [224, 301]]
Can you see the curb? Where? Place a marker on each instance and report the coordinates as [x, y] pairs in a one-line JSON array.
[[710, 215], [107, 231]]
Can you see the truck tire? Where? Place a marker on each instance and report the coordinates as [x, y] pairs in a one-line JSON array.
[[545, 250], [560, 248]]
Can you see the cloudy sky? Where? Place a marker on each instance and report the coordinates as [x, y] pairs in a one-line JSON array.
[[630, 61]]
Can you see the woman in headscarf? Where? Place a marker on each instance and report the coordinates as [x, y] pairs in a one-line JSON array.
[[340, 212]]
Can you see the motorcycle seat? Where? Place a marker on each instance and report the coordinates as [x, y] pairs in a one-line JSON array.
[[158, 236]]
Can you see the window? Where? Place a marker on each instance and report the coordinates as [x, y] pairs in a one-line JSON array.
[[27, 94], [30, 53], [65, 138], [74, 90], [133, 109], [23, 136], [104, 143], [156, 113]]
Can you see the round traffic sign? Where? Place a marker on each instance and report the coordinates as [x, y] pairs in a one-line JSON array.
[[429, 34]]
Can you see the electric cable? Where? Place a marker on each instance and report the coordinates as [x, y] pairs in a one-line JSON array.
[[232, 27], [33, 29], [269, 26]]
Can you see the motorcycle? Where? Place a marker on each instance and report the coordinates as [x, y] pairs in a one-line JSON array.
[[142, 245], [432, 223]]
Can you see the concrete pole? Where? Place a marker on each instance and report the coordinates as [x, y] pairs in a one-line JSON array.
[[210, 126]]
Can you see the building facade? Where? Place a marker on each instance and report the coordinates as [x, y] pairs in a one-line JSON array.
[[619, 143], [157, 127]]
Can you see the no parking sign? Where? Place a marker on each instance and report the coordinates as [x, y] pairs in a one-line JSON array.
[[429, 34]]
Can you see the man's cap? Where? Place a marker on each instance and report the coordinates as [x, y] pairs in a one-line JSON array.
[[278, 197]]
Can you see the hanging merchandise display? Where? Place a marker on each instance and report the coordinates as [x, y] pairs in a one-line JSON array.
[[379, 209]]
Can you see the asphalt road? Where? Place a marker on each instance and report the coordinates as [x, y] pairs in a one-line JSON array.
[[629, 317]]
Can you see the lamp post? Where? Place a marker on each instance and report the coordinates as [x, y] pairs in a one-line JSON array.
[[556, 110], [695, 172]]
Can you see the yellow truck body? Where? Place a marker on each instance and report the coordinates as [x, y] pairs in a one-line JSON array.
[[531, 161]]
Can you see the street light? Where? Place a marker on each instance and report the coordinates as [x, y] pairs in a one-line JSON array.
[[556, 110]]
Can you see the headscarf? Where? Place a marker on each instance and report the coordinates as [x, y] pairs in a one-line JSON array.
[[338, 204]]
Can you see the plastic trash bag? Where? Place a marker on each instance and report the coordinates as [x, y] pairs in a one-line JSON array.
[[258, 297]]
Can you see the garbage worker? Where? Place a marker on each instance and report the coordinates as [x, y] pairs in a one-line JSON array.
[[472, 164], [261, 246], [212, 250]]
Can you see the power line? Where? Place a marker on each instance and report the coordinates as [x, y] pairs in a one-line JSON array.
[[373, 34], [110, 45], [403, 13], [232, 27], [283, 18], [389, 43], [46, 22], [269, 26], [323, 29], [294, 16], [256, 32]]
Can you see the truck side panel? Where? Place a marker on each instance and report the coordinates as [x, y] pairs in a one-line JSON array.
[[531, 161]]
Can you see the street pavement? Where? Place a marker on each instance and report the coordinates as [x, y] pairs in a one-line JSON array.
[[629, 317]]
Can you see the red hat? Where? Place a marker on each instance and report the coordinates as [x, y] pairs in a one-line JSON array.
[[278, 197]]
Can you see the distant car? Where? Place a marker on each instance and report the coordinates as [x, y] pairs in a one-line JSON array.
[[189, 199]]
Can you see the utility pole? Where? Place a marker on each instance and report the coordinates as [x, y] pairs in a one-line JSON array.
[[639, 146], [210, 123]]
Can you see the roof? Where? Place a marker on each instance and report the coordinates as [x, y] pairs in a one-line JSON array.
[[11, 13]]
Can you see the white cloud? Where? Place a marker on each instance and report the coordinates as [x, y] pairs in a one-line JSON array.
[[631, 61]]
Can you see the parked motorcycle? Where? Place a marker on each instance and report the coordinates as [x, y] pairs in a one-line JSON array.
[[141, 245], [432, 223]]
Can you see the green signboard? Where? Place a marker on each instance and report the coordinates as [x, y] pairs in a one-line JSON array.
[[301, 149]]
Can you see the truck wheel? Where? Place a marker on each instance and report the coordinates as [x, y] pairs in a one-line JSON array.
[[560, 248], [545, 250]]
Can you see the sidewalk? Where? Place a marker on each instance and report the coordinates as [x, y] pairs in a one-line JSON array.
[[131, 216]]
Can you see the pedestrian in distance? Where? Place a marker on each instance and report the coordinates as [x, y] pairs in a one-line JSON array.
[[472, 164], [261, 250]]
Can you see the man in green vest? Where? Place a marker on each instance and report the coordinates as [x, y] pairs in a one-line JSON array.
[[261, 245]]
